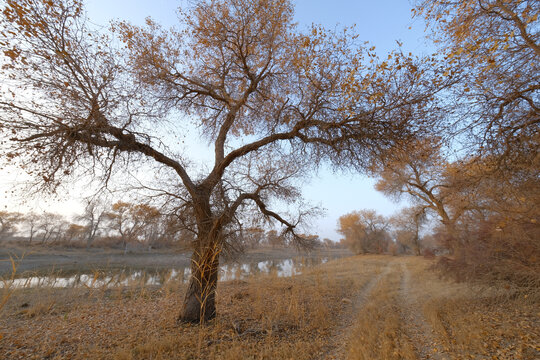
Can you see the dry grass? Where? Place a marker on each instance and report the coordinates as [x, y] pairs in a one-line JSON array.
[[263, 317], [266, 317], [479, 321], [378, 332], [7, 283]]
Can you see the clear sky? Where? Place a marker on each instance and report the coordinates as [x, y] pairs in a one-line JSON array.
[[381, 22]]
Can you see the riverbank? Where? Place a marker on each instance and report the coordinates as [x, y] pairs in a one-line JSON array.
[[362, 307], [43, 260]]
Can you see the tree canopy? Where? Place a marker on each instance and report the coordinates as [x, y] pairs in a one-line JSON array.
[[272, 101]]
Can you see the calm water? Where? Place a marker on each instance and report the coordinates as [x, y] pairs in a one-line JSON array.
[[228, 272]]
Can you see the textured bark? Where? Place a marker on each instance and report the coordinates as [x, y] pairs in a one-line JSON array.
[[200, 299]]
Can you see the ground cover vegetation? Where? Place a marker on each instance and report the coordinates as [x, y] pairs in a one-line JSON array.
[[362, 307]]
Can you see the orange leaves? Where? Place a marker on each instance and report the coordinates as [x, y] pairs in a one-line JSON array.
[[376, 96], [13, 54]]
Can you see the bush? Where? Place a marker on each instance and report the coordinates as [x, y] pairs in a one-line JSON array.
[[498, 251]]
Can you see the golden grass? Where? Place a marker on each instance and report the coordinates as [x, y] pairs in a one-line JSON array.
[[378, 332], [263, 317], [478, 321], [358, 301]]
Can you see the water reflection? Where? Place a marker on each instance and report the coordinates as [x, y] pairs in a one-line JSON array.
[[228, 272]]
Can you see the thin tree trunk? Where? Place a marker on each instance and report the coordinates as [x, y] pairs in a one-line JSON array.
[[417, 239], [31, 235]]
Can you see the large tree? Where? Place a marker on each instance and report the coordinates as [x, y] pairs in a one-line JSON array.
[[493, 48], [271, 101], [419, 171]]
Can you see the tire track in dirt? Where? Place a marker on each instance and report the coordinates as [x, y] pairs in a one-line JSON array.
[[419, 331], [340, 336]]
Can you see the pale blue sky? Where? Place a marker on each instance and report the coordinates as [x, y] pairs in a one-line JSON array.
[[381, 22]]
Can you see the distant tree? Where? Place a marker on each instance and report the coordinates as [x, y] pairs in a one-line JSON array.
[[407, 224], [119, 220], [135, 222], [314, 240], [75, 233], [275, 239], [151, 223], [253, 237], [365, 231], [93, 217], [8, 223], [271, 100], [31, 222], [50, 227], [327, 243]]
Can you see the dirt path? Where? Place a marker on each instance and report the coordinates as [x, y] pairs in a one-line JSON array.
[[417, 328], [339, 339]]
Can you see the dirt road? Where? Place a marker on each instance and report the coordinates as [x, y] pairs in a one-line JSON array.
[[408, 312]]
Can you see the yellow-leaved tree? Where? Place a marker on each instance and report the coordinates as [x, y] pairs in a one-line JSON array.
[[270, 100]]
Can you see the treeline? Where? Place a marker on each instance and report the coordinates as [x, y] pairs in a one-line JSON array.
[[125, 225], [367, 232], [483, 218], [118, 225]]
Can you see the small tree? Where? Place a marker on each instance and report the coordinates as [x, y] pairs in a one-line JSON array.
[[275, 239], [407, 224], [135, 222], [253, 237], [365, 231], [50, 227], [31, 223], [8, 223], [74, 233], [93, 218]]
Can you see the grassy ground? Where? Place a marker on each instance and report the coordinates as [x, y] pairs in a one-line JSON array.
[[368, 307]]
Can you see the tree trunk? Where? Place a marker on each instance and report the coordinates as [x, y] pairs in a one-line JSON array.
[[417, 239], [31, 235], [200, 300]]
